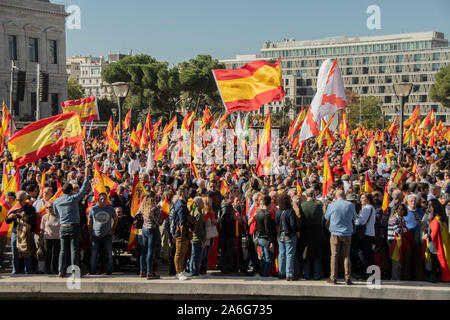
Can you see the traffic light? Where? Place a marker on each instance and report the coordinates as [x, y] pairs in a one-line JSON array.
[[43, 86], [18, 85]]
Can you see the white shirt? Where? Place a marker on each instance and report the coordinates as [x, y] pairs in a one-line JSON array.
[[382, 168], [133, 166]]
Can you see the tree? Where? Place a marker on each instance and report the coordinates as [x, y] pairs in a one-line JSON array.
[[440, 91], [198, 84], [74, 90], [104, 109], [371, 116]]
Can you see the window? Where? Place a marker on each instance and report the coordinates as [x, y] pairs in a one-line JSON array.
[[303, 63], [287, 82], [381, 89], [415, 88], [382, 69], [300, 82], [355, 80], [287, 91], [365, 89], [349, 71], [53, 52], [416, 67], [423, 78], [318, 62], [12, 44], [55, 103], [417, 57], [309, 82], [435, 66], [349, 61], [388, 79], [371, 80], [423, 98], [399, 59], [387, 99], [382, 59], [365, 70], [33, 49], [405, 78], [436, 56], [398, 68], [366, 60], [33, 104]]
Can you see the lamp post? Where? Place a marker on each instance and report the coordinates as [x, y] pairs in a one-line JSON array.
[[402, 90], [121, 92], [114, 113]]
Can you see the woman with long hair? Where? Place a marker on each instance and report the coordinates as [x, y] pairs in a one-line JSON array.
[[211, 236], [152, 219]]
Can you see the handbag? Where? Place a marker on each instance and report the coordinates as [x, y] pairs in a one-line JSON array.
[[211, 230], [360, 230]]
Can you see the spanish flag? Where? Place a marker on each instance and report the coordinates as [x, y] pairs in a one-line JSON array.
[[301, 149], [207, 117], [415, 116], [134, 139], [224, 187], [127, 121], [194, 170], [248, 88], [155, 129], [347, 157], [395, 250], [161, 150], [263, 162], [165, 208], [371, 150], [297, 124], [168, 127], [327, 175], [188, 121], [45, 137], [12, 186], [385, 205], [441, 241], [399, 175], [325, 132], [368, 184], [139, 131], [99, 186], [7, 128], [299, 188], [86, 108], [137, 195]]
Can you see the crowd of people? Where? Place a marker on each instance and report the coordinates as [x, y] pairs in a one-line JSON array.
[[278, 226]]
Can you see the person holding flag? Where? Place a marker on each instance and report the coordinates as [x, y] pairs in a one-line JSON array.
[[66, 207]]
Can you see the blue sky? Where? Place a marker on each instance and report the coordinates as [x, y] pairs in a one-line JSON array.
[[176, 31]]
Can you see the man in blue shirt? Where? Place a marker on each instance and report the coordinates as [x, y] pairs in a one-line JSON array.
[[66, 207], [341, 214]]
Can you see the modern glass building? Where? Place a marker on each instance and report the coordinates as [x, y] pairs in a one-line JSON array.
[[369, 66]]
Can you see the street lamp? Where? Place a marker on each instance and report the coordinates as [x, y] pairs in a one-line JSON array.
[[402, 90], [121, 92], [114, 113]]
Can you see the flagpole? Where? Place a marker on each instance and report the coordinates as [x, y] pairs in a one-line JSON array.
[[90, 127], [220, 93]]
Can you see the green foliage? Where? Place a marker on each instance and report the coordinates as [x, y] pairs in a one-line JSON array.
[[440, 91], [104, 109], [371, 113], [163, 89], [74, 90], [198, 84]]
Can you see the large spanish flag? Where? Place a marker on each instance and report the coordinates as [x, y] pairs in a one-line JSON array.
[[248, 88], [86, 108], [45, 137], [441, 241]]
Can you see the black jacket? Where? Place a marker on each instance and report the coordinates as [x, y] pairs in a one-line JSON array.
[[265, 226], [227, 220], [29, 210]]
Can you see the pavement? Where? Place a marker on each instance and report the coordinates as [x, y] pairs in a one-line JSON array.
[[213, 286]]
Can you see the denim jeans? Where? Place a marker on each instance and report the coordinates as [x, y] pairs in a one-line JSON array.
[[204, 259], [316, 265], [70, 242], [226, 254], [365, 254], [147, 252], [196, 256], [106, 244], [286, 256], [266, 257], [16, 259], [52, 247]]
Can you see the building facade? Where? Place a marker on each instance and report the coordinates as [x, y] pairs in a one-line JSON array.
[[369, 66], [33, 32], [87, 71]]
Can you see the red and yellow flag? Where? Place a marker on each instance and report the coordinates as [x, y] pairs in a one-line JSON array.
[[325, 131], [134, 139], [441, 241], [7, 128], [371, 150], [368, 184], [263, 162], [385, 205], [299, 188], [399, 175], [45, 137], [168, 127], [415, 116], [155, 128], [347, 157], [127, 121], [248, 88], [86, 108], [327, 175], [207, 117], [395, 250], [224, 187], [139, 131], [165, 208]]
